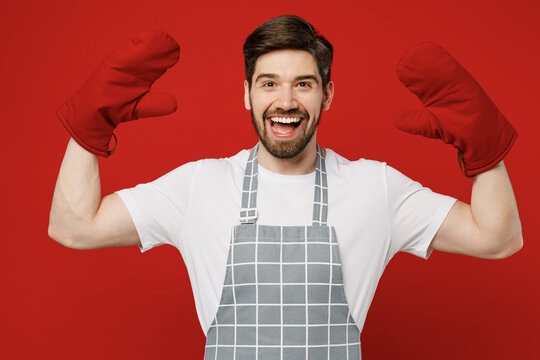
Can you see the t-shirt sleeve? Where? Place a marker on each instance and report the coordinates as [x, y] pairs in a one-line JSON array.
[[159, 208], [415, 213]]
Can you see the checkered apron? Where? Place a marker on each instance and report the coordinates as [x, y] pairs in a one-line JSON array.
[[283, 294]]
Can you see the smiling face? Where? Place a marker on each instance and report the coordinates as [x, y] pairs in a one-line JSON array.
[[286, 100]]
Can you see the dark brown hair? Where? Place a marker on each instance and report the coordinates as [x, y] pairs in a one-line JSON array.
[[288, 32]]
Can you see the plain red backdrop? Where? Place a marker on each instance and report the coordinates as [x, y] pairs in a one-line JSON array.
[[116, 303]]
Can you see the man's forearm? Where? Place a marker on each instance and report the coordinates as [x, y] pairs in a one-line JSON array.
[[77, 194], [495, 211]]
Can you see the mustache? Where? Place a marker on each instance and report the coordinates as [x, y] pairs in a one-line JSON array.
[[293, 112]]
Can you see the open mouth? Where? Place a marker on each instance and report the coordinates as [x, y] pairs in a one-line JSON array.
[[285, 126]]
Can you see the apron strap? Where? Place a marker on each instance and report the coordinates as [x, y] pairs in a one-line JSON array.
[[320, 199], [248, 212]]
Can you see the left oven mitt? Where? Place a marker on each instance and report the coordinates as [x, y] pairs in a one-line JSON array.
[[456, 109]]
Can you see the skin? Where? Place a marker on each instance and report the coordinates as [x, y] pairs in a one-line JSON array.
[[287, 83], [80, 218], [487, 228]]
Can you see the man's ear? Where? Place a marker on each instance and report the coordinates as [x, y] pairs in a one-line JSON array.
[[328, 95], [247, 103]]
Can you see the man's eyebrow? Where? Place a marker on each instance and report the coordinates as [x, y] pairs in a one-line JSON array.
[[308, 77], [301, 77], [270, 76]]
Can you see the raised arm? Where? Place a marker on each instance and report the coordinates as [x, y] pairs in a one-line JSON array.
[[489, 228], [459, 112], [117, 91], [80, 218]]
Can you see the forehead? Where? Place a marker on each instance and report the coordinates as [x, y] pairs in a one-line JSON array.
[[286, 63]]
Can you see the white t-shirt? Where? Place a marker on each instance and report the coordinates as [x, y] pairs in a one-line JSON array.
[[375, 210]]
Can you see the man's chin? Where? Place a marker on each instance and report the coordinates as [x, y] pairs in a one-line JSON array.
[[284, 149]]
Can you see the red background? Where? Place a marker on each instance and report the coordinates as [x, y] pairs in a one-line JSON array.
[[117, 303]]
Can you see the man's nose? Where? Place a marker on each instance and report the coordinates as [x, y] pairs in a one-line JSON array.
[[286, 99]]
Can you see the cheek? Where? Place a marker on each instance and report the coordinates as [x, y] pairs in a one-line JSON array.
[[310, 102], [258, 109], [314, 108], [260, 105]]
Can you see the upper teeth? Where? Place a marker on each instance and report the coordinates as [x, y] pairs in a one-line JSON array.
[[286, 120]]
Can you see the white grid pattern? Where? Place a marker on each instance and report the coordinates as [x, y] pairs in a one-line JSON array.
[[279, 346], [245, 286], [306, 291], [328, 282], [281, 290], [234, 302], [330, 289], [248, 213], [321, 190], [256, 299]]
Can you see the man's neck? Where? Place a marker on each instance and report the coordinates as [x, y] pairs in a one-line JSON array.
[[301, 164]]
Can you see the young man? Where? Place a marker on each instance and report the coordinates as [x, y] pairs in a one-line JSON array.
[[285, 244]]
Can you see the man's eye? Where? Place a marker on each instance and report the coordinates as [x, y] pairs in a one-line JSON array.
[[304, 84], [268, 84]]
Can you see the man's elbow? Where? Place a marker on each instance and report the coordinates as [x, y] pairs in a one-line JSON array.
[[511, 247], [62, 238]]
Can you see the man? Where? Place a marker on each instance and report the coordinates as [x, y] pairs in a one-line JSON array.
[[311, 231]]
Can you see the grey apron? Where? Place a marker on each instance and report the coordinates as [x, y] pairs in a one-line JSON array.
[[283, 295]]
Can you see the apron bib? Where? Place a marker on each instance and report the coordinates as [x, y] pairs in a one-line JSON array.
[[283, 295]]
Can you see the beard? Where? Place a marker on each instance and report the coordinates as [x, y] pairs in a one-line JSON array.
[[286, 149]]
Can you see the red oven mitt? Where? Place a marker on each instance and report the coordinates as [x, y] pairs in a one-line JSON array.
[[119, 90], [456, 109]]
